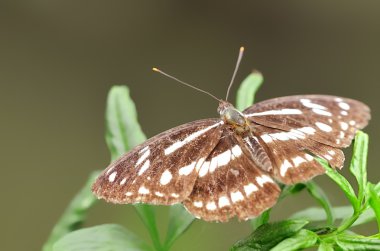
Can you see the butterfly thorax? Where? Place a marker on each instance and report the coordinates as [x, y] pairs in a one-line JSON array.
[[230, 115]]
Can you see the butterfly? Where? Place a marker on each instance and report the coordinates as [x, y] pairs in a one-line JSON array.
[[231, 166]]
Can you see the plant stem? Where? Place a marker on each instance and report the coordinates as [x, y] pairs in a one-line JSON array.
[[348, 223]]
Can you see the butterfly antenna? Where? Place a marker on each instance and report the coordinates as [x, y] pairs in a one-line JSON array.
[[184, 83], [241, 51]]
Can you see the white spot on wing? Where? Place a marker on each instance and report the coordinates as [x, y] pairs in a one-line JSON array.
[[123, 181], [343, 125], [144, 167], [328, 157], [236, 196], [213, 164], [198, 204], [234, 172], [223, 158], [307, 103], [308, 157], [223, 201], [296, 134], [143, 157], [344, 113], [112, 177], [236, 151], [284, 167], [211, 206], [261, 180], [250, 188], [189, 138], [298, 160], [143, 190], [352, 122], [110, 169], [159, 194], [204, 168], [322, 112], [166, 177], [307, 130], [175, 195], [341, 134], [323, 127], [277, 112], [344, 105], [283, 136], [186, 170], [144, 149], [332, 152], [266, 138], [128, 194]]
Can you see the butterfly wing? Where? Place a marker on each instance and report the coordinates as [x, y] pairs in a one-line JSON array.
[[294, 129], [291, 154], [162, 170], [230, 184], [327, 119]]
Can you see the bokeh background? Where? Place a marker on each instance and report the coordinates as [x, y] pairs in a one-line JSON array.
[[58, 59]]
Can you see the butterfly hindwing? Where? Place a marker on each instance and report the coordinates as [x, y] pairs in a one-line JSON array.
[[292, 154], [163, 169], [327, 119], [230, 184]]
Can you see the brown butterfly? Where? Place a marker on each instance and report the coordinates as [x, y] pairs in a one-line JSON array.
[[229, 166]]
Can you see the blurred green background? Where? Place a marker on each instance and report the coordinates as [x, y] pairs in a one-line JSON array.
[[58, 59]]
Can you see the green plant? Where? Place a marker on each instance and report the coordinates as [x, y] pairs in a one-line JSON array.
[[315, 226]]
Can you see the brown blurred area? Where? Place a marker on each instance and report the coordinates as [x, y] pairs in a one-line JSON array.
[[58, 59]]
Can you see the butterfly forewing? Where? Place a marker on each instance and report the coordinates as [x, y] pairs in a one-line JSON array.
[[327, 119], [230, 184], [163, 169]]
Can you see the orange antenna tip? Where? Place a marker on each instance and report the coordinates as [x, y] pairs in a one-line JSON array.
[[155, 69], [241, 49]]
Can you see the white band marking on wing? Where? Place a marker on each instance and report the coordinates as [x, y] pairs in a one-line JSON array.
[[277, 112], [323, 127], [181, 143]]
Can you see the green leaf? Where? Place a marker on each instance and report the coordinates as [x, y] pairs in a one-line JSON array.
[[358, 166], [74, 214], [377, 188], [123, 132], [310, 214], [261, 219], [247, 90], [179, 222], [269, 235], [341, 182], [148, 217], [321, 197], [303, 239], [357, 243], [324, 246], [341, 213], [374, 202], [109, 237]]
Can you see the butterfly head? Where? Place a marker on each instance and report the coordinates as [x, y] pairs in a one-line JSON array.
[[230, 115]]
